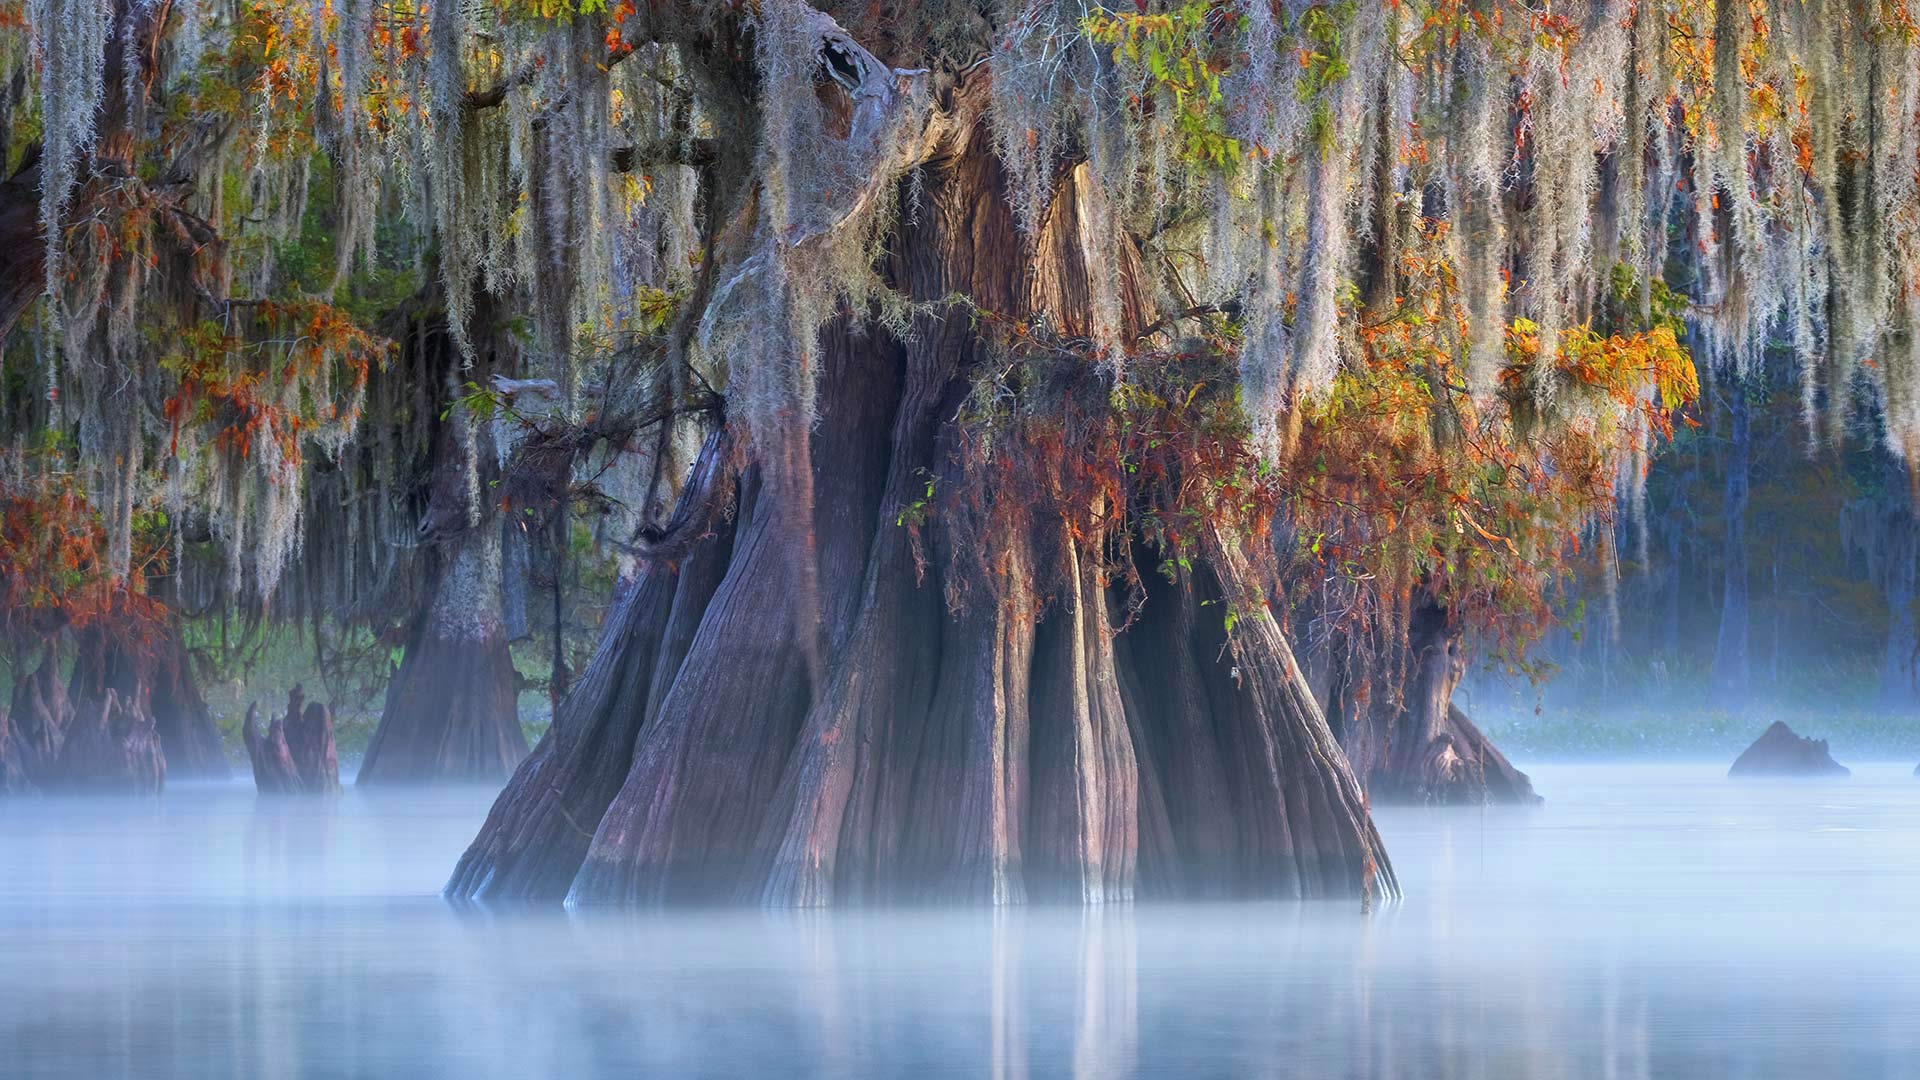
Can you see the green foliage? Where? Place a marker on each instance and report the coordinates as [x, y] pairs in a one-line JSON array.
[[479, 402], [914, 514], [1183, 63], [1323, 65]]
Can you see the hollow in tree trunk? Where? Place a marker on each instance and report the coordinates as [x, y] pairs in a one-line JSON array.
[[843, 677]]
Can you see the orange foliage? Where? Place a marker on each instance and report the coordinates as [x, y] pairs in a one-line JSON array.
[[53, 561], [245, 390], [1402, 481]]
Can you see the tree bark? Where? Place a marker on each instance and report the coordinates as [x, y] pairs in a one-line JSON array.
[[1394, 703], [13, 772], [112, 747], [295, 755], [158, 674], [23, 271], [41, 715], [1899, 562], [1900, 666], [536, 837], [452, 709], [947, 714]]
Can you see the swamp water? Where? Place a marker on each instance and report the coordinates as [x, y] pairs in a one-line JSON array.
[[1649, 921]]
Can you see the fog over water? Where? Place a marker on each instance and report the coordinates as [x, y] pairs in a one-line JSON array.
[[1650, 920]]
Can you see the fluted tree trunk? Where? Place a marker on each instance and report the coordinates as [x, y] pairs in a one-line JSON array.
[[451, 711], [1390, 698], [882, 669], [40, 714], [157, 674]]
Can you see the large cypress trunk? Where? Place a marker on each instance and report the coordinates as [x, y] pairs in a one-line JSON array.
[[154, 673], [40, 715], [1390, 695], [13, 771], [863, 692], [451, 710]]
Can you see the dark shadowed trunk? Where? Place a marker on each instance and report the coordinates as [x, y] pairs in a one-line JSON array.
[[936, 711], [1895, 563], [1393, 705], [1732, 670], [111, 747], [13, 771], [451, 710], [23, 271], [40, 714], [1899, 677], [157, 673]]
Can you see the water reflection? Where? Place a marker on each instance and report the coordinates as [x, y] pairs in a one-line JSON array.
[[1646, 924]]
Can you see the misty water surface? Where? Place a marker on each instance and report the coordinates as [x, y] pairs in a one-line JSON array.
[[1649, 921]]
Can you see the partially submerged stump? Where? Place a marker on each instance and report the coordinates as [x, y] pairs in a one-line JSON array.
[[295, 755], [1780, 752], [112, 746]]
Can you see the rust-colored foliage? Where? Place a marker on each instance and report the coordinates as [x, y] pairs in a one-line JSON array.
[[1400, 479], [1403, 479], [53, 570], [1130, 466], [272, 384]]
